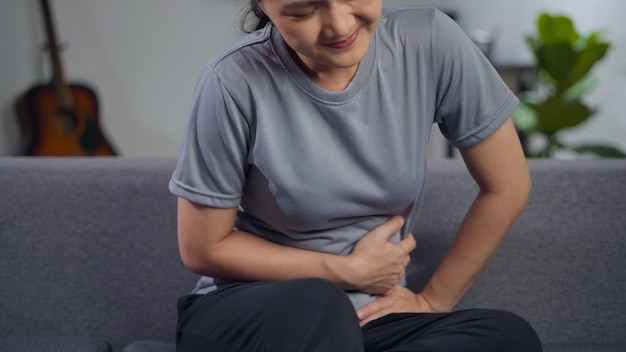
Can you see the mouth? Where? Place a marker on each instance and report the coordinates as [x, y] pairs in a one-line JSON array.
[[346, 42]]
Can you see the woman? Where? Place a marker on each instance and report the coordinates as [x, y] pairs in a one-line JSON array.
[[303, 170]]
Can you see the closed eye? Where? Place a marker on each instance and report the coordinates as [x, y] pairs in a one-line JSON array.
[[305, 15]]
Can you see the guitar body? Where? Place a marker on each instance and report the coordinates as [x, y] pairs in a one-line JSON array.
[[49, 129]]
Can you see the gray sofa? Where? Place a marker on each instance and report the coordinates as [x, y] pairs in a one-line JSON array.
[[89, 258]]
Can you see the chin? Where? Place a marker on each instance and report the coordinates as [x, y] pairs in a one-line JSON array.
[[349, 60]]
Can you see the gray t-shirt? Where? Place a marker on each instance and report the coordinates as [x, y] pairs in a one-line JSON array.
[[318, 170]]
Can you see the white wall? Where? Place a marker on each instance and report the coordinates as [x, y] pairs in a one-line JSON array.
[[143, 56]]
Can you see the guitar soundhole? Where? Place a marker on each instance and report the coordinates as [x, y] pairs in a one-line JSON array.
[[67, 120], [89, 139]]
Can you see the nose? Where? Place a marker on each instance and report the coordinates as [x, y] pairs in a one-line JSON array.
[[337, 20]]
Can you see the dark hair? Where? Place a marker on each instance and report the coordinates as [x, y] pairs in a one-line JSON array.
[[252, 17]]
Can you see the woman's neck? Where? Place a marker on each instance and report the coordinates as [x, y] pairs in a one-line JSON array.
[[331, 79]]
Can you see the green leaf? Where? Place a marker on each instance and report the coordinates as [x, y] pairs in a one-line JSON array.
[[580, 88], [587, 58], [556, 29], [555, 114], [590, 39], [559, 59], [601, 151]]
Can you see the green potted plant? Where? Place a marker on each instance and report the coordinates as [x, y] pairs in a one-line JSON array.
[[563, 58]]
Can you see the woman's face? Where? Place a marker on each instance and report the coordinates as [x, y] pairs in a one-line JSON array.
[[327, 35]]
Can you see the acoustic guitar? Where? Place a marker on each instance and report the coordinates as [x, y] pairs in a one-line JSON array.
[[57, 118]]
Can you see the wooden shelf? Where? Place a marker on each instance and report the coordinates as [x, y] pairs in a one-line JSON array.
[[518, 77]]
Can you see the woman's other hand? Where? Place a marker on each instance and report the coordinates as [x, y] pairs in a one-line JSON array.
[[375, 264], [397, 300]]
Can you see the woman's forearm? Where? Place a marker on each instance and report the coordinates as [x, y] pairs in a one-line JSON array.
[[247, 257], [209, 246], [498, 166], [479, 235]]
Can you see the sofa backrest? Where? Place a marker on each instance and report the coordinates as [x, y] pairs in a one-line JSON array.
[[563, 264], [88, 247]]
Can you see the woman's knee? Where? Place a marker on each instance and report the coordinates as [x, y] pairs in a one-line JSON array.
[[318, 316], [513, 331], [309, 315], [312, 297], [280, 316]]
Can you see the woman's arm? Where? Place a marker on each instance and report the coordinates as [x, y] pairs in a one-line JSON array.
[[209, 246], [498, 166]]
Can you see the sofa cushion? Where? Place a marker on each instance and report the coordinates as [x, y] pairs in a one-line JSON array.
[[150, 346], [19, 343], [561, 266], [587, 347]]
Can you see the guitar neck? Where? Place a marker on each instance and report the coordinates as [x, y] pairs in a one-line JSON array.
[[61, 89]]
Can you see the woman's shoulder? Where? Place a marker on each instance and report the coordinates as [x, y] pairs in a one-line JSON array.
[[245, 48], [408, 29], [410, 15], [414, 18], [418, 28], [245, 59]]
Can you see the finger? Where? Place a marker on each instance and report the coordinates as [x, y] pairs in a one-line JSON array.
[[371, 318], [370, 310], [378, 314], [408, 244], [389, 227], [406, 261]]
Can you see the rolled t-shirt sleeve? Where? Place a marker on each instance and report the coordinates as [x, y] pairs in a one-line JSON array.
[[472, 100], [213, 158]]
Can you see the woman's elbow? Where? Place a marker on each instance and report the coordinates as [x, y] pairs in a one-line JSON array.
[[194, 259], [200, 231]]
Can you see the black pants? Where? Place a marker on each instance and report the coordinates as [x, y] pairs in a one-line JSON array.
[[314, 315]]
